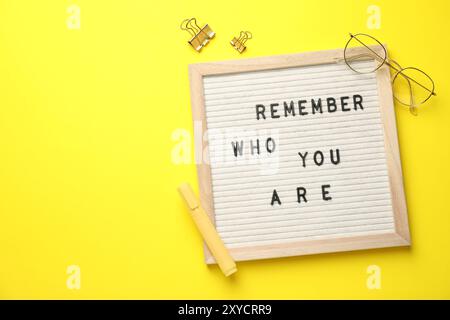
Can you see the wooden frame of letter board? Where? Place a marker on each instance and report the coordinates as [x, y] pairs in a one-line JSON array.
[[401, 235]]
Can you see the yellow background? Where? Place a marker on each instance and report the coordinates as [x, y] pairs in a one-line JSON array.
[[86, 123]]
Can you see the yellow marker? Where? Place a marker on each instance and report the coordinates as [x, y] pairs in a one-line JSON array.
[[208, 232]]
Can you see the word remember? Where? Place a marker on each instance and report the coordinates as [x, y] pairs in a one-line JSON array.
[[305, 107]]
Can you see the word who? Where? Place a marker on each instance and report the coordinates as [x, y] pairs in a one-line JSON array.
[[255, 147]]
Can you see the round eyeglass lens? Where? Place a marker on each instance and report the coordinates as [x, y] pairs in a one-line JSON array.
[[364, 54], [412, 86]]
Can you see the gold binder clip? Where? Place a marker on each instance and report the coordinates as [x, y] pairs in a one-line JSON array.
[[239, 43], [200, 36]]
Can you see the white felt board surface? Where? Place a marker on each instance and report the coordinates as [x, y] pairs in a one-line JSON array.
[[256, 128]]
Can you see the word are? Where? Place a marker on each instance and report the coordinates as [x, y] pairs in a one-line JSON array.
[[305, 107], [301, 195]]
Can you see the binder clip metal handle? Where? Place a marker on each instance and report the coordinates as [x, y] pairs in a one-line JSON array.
[[200, 36], [239, 43]]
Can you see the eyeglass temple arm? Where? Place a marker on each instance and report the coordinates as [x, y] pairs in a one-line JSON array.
[[412, 104]]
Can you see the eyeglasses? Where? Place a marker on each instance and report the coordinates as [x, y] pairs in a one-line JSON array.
[[412, 86]]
